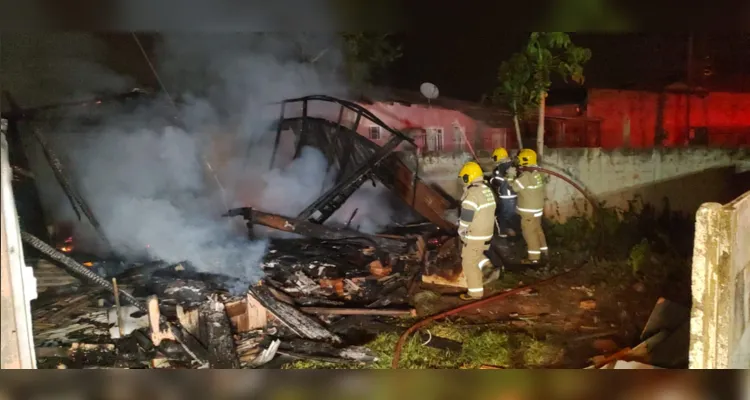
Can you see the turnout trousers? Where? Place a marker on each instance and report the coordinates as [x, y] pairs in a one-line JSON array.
[[531, 228], [473, 260], [506, 216]]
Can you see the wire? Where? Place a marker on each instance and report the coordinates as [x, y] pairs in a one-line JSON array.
[[153, 70], [174, 105]]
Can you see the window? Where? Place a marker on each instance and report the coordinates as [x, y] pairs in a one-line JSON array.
[[435, 139], [374, 132], [458, 137]]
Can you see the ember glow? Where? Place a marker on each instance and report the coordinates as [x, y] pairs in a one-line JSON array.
[[67, 246]]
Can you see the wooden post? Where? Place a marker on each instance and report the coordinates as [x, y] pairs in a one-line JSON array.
[[154, 315], [118, 309], [216, 334]]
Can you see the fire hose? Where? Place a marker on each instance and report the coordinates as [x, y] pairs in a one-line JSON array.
[[82, 272], [499, 296], [586, 194], [488, 300]]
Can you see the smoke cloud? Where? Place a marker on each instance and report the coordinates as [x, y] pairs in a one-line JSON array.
[[143, 176]]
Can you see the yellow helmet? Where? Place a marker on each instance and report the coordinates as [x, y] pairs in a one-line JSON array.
[[470, 172], [526, 157], [499, 154]]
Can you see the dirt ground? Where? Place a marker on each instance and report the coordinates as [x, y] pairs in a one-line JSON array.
[[580, 313], [613, 273]]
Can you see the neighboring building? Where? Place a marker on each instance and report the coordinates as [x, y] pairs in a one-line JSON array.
[[671, 117], [443, 125], [606, 118], [449, 125]]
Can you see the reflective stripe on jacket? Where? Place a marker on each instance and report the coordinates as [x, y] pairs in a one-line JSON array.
[[501, 183], [478, 212], [530, 189]]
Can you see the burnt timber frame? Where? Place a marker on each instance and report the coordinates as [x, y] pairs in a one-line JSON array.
[[359, 160], [313, 230]]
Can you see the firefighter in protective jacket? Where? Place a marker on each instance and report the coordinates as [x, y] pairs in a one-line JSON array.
[[476, 227], [501, 183], [530, 188]]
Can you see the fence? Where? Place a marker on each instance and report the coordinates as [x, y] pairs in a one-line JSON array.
[[720, 320]]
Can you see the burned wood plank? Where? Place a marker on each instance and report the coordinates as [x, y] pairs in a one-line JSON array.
[[247, 314], [322, 208], [317, 349], [311, 229], [359, 311], [216, 333], [154, 318], [424, 199], [295, 320], [299, 356], [248, 348]]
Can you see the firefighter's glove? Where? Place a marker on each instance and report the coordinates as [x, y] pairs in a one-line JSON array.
[[512, 173]]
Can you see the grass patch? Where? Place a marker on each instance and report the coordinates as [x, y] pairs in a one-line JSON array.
[[538, 353], [487, 348], [481, 346]]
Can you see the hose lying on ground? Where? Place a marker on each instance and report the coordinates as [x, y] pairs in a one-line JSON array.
[[468, 306], [84, 273]]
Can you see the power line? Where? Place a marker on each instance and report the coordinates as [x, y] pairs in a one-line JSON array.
[[174, 105]]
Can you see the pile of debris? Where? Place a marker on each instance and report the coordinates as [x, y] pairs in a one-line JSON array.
[[162, 315], [312, 291]]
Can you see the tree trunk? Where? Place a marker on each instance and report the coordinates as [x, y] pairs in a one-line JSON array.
[[517, 125], [540, 128]]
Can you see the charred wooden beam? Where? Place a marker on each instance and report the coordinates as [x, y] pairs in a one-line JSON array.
[[334, 198], [392, 172], [216, 334], [359, 311], [295, 320], [311, 229], [299, 348], [278, 136]]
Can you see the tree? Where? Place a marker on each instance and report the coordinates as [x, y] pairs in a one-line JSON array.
[[514, 89], [548, 53], [368, 53], [365, 54]]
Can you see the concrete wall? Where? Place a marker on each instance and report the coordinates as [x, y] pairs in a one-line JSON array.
[[725, 115], [687, 177], [720, 320]]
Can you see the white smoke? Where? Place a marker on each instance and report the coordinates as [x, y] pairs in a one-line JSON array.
[[143, 176]]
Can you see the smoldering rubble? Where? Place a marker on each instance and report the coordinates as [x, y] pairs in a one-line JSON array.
[[159, 176], [146, 178]]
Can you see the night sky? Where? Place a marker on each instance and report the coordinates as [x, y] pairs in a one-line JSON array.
[[463, 64]]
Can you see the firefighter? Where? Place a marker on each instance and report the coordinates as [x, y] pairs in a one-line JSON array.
[[530, 188], [501, 182], [475, 228]]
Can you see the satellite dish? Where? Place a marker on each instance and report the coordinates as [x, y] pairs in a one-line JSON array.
[[429, 91]]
